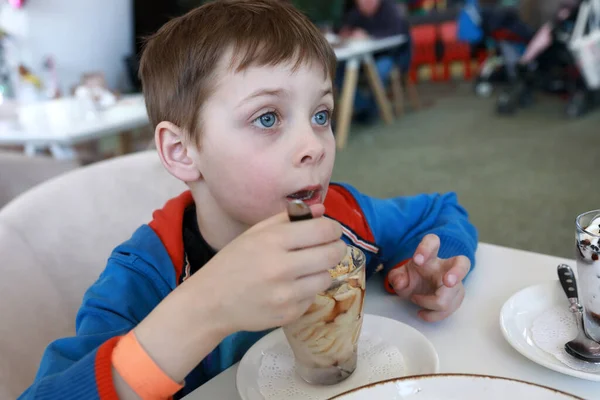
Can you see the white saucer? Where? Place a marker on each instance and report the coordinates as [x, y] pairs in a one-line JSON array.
[[419, 355], [517, 316], [465, 387]]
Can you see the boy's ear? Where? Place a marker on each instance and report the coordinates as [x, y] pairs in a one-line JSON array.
[[173, 152]]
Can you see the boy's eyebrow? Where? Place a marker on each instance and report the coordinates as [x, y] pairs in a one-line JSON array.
[[327, 91], [265, 92], [278, 93]]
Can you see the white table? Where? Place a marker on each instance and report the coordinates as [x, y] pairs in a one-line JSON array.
[[354, 53], [358, 48], [470, 341], [58, 125]]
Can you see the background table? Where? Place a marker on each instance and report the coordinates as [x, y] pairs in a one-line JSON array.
[[353, 54], [470, 341], [127, 114]]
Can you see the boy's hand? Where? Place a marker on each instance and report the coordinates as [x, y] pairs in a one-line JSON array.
[[267, 277], [431, 282], [270, 275]]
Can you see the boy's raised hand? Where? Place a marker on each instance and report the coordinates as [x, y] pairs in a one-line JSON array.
[[270, 275], [265, 278], [431, 282]]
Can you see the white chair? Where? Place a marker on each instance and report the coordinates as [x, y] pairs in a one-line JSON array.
[[54, 242]]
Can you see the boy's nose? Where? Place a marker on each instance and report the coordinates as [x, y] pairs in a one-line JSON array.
[[311, 149]]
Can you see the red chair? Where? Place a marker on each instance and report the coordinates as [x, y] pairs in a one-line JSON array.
[[424, 39], [454, 50]]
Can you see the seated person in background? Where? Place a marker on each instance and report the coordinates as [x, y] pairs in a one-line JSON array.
[[377, 19], [374, 18]]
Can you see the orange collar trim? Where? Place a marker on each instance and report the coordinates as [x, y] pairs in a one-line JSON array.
[[167, 223]]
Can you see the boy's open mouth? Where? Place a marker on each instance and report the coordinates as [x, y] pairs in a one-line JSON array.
[[311, 195]]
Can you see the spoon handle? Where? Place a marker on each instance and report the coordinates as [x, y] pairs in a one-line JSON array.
[[298, 210], [567, 280]]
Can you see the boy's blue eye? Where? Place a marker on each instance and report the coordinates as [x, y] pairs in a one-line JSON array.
[[267, 120], [321, 118]]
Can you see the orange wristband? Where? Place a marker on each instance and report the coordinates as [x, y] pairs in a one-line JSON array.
[[386, 282], [140, 372]]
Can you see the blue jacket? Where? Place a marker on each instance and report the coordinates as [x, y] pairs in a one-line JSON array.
[[141, 272]]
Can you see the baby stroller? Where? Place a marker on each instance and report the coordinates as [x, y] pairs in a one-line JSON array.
[[497, 32], [584, 46], [572, 57]]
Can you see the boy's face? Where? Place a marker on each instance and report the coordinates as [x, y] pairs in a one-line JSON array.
[[266, 138]]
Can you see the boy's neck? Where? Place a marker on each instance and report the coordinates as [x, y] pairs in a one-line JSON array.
[[216, 228]]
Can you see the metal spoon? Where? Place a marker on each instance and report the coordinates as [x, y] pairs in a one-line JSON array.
[[581, 347], [298, 210]]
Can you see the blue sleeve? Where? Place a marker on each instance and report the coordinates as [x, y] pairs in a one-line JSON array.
[[79, 367], [399, 224]]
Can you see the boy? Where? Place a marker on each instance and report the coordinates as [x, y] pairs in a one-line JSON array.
[[240, 94]]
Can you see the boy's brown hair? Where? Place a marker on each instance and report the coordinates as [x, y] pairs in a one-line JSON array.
[[179, 62]]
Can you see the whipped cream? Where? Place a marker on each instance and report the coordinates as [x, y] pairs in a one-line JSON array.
[[588, 242], [588, 276]]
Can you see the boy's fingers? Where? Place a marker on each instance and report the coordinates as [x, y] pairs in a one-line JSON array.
[[308, 233], [317, 210], [399, 281], [438, 315], [280, 218], [307, 287], [433, 316], [317, 259], [440, 301], [427, 250], [304, 305], [459, 268]]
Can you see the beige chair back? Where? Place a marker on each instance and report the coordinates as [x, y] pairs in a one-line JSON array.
[[55, 240]]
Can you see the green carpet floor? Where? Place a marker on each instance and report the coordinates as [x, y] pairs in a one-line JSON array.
[[523, 179]]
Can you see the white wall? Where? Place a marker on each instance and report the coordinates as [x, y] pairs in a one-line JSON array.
[[82, 35]]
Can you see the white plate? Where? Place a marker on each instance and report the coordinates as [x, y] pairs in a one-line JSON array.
[[517, 316], [455, 387], [420, 357]]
